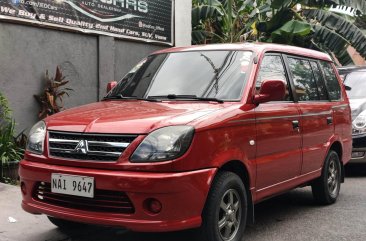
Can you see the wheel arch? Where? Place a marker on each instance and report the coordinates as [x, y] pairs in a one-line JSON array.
[[241, 170], [337, 147]]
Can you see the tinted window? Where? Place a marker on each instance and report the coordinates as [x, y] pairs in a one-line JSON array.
[[304, 81], [219, 74], [331, 81], [322, 90], [357, 82], [272, 69]]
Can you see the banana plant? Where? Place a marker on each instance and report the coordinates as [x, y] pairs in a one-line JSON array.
[[336, 33], [304, 23], [219, 21]]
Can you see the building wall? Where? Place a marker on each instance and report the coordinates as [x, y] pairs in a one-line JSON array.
[[88, 61], [27, 52], [355, 56], [183, 26]]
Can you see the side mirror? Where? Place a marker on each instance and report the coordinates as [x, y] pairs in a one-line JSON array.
[[346, 87], [271, 90], [111, 85]]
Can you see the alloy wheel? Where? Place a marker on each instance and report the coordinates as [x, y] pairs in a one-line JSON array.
[[229, 215]]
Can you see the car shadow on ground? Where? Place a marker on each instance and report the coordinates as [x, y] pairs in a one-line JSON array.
[[355, 170], [269, 212]]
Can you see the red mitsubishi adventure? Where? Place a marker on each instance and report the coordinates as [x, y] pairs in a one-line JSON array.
[[194, 137]]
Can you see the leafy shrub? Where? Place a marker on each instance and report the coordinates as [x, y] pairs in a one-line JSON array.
[[51, 100], [9, 151], [5, 112]]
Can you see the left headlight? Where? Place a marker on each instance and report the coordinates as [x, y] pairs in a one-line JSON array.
[[360, 121], [359, 124], [164, 144], [36, 138]]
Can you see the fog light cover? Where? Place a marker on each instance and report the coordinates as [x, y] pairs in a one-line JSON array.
[[358, 154]]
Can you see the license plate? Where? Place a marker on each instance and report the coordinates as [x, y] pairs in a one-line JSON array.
[[72, 185]]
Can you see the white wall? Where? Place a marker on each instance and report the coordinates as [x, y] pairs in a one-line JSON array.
[[183, 19]]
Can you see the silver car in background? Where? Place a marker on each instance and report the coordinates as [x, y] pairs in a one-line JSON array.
[[355, 81]]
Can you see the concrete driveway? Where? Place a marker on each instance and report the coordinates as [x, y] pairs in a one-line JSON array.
[[292, 216]]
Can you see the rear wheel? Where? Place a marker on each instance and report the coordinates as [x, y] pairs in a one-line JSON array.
[[326, 188], [225, 213], [65, 224]]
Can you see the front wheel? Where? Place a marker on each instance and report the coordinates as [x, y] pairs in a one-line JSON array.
[[225, 214], [326, 188]]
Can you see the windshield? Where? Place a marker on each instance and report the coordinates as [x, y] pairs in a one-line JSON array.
[[202, 74], [357, 82]]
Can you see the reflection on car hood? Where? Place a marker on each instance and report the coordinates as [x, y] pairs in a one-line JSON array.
[[128, 117], [357, 106]]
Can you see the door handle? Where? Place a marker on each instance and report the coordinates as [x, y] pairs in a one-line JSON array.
[[296, 125], [329, 120]]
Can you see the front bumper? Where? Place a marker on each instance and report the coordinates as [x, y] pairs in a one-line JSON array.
[[359, 146], [361, 158], [182, 195]]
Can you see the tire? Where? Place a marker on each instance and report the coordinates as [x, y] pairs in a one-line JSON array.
[[326, 188], [226, 206], [65, 224]]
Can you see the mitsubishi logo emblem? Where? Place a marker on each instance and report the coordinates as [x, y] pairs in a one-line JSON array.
[[82, 147]]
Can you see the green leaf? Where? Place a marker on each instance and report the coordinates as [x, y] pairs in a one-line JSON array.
[[360, 5], [279, 4], [291, 29], [203, 13], [332, 42], [350, 32], [207, 2], [278, 20]]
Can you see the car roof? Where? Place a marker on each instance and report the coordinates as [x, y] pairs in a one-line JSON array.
[[256, 47]]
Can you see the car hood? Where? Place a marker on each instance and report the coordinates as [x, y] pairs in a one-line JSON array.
[[128, 117], [357, 106]]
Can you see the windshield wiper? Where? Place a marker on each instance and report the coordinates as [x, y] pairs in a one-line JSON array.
[[192, 97], [121, 97]]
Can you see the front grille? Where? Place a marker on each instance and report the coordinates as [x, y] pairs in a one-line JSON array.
[[103, 201], [359, 142], [85, 146]]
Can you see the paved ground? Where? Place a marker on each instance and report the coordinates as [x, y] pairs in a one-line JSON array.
[[292, 216]]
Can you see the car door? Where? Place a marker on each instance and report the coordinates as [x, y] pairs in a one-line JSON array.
[[278, 155], [316, 123], [341, 108]]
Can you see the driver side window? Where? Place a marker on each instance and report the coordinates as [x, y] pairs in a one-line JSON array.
[[272, 69]]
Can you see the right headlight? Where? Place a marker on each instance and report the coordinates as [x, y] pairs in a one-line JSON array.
[[359, 124], [36, 138], [164, 144]]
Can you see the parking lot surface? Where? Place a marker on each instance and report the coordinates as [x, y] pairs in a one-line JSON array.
[[291, 216]]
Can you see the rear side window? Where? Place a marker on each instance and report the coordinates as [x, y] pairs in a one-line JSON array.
[[319, 81], [303, 78], [331, 81]]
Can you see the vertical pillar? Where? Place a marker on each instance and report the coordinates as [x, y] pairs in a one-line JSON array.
[[183, 19], [106, 63]]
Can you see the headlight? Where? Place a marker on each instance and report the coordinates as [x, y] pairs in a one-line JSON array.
[[360, 121], [359, 124], [36, 138], [164, 144]]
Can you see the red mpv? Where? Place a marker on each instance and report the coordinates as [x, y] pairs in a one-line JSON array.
[[193, 137]]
